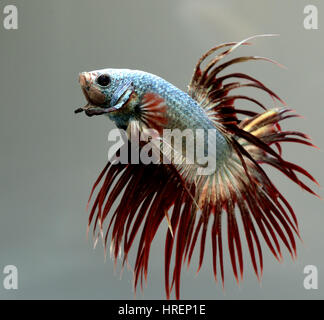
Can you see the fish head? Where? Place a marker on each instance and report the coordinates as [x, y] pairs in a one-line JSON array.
[[105, 90]]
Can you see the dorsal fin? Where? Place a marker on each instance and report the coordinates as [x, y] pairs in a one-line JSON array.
[[209, 89]]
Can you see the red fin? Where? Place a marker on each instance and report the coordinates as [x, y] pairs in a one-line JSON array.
[[212, 93], [149, 191]]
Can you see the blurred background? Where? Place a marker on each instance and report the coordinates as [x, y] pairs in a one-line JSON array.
[[50, 157]]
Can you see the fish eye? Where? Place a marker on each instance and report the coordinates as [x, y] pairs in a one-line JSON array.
[[103, 80]]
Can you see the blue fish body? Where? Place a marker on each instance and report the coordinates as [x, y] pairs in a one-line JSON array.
[[183, 112]]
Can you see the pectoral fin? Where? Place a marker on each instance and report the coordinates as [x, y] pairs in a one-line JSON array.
[[122, 95]]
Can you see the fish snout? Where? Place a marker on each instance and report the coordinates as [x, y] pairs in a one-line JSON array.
[[84, 79]]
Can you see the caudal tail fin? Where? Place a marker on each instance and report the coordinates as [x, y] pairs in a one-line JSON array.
[[242, 189]]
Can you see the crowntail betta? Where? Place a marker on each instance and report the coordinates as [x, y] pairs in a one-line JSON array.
[[238, 189]]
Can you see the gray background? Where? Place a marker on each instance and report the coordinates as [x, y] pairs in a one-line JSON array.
[[50, 157]]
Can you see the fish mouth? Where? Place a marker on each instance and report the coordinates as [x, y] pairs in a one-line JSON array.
[[91, 108]]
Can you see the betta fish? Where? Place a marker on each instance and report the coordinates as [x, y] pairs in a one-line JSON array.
[[193, 204]]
